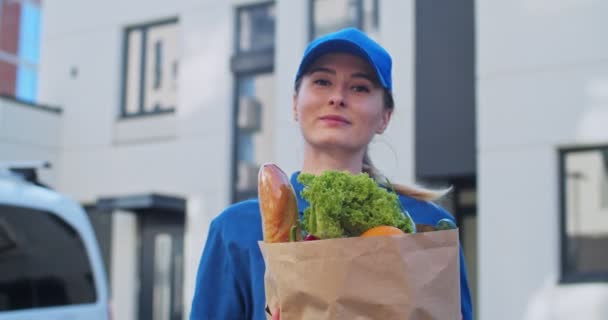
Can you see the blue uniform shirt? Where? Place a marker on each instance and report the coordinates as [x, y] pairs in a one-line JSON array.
[[230, 279]]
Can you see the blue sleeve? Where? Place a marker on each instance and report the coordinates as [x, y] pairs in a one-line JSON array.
[[466, 306], [217, 294]]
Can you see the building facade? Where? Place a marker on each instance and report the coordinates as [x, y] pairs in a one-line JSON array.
[[541, 152], [168, 109]]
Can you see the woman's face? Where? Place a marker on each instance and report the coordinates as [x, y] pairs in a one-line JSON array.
[[339, 103]]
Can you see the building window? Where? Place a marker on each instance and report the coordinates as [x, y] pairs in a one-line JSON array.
[[150, 68], [332, 15], [252, 66], [584, 214], [255, 28], [19, 48]]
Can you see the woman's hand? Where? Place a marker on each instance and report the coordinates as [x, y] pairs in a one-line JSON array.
[[276, 315]]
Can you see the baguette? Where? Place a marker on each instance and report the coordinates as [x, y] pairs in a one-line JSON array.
[[278, 205]]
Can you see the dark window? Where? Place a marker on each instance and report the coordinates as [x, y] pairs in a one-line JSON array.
[[255, 27], [150, 68], [331, 15], [253, 65], [584, 213], [254, 123], [43, 261]]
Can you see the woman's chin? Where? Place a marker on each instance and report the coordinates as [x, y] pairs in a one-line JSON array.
[[336, 143]]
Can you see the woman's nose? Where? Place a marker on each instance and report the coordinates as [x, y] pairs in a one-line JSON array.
[[337, 99]]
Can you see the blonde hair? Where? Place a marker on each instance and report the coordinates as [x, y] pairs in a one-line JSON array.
[[413, 191]]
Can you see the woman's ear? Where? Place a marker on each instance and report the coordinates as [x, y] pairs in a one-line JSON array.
[[295, 107], [386, 118]]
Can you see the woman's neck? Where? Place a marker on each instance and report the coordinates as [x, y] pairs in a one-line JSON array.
[[316, 161]]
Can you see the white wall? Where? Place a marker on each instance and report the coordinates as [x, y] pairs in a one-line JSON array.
[[542, 82], [393, 152], [30, 134], [125, 265], [291, 39]]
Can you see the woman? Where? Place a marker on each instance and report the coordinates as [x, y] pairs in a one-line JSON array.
[[342, 99]]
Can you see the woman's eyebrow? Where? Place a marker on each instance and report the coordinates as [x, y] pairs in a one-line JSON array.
[[322, 69], [364, 76]]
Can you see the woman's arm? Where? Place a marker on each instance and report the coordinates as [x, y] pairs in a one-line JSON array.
[[466, 304], [217, 294]]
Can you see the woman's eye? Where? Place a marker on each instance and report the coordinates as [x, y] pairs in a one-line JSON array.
[[360, 89], [322, 82]]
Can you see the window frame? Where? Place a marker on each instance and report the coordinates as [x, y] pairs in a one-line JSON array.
[[245, 64], [18, 61], [237, 24], [237, 195], [567, 276], [144, 27], [359, 23]]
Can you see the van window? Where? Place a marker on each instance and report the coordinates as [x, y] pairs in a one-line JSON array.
[[43, 261]]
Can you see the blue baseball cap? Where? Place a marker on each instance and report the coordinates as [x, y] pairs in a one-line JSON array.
[[353, 41]]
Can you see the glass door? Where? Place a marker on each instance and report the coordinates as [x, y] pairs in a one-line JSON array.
[[161, 268]]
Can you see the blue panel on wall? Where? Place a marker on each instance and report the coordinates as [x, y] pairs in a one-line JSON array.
[[29, 52]]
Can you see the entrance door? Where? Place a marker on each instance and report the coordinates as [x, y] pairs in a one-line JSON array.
[[162, 241]]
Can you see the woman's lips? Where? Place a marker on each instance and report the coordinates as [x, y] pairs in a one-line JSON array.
[[334, 120]]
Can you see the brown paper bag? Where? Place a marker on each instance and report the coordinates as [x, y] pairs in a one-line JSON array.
[[411, 276]]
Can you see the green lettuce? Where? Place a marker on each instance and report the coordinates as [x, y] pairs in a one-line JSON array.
[[346, 205]]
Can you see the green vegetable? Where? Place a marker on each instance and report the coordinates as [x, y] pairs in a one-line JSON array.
[[293, 233], [445, 224], [346, 205]]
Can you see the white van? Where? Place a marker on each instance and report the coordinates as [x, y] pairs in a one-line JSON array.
[[50, 263]]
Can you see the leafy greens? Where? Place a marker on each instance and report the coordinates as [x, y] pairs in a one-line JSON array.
[[346, 205]]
